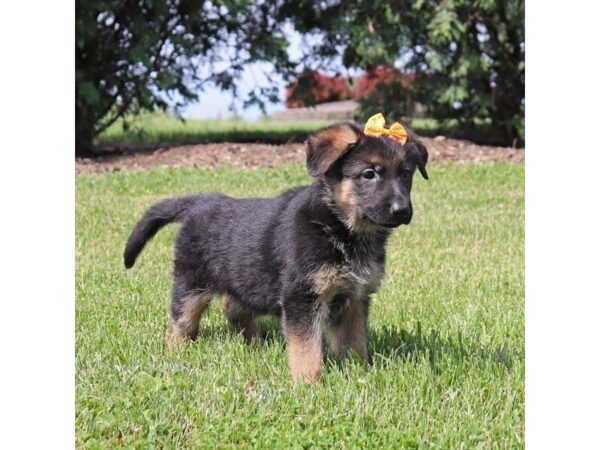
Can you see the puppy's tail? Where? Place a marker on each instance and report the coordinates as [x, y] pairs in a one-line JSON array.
[[159, 215]]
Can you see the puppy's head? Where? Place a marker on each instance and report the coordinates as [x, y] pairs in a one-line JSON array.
[[367, 179]]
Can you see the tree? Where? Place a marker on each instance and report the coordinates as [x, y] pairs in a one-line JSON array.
[[133, 55], [466, 56]]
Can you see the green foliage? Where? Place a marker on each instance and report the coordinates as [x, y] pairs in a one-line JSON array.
[[467, 56], [396, 99], [134, 55], [446, 328]]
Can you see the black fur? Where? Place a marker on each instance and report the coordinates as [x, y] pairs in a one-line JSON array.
[[161, 214], [260, 253]]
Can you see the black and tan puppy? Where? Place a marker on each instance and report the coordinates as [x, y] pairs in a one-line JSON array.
[[312, 255]]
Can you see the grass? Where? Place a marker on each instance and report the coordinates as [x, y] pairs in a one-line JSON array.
[[446, 329], [156, 129]]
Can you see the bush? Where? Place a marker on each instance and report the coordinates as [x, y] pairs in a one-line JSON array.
[[468, 58], [312, 88]]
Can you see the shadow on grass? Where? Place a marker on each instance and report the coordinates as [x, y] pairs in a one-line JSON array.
[[268, 327], [398, 344], [393, 343]]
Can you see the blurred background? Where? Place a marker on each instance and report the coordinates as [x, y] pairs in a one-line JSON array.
[[190, 71]]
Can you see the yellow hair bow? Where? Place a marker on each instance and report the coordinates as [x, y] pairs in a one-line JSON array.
[[375, 126]]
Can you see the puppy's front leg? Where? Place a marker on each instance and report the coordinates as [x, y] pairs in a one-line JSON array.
[[302, 326]]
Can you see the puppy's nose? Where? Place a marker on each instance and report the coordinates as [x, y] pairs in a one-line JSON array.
[[399, 209]]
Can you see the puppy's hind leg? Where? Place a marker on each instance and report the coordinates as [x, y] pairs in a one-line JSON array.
[[187, 307], [241, 318]]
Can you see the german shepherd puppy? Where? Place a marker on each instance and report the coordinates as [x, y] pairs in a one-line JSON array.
[[312, 255]]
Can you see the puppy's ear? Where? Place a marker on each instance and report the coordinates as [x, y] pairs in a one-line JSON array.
[[328, 145], [416, 150]]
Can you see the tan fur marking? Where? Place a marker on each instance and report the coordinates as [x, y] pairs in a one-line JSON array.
[[186, 325], [340, 137], [327, 279], [330, 144], [363, 226], [346, 200], [305, 358], [375, 160], [175, 337], [351, 332]]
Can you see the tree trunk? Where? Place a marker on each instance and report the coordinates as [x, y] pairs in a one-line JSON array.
[[84, 133]]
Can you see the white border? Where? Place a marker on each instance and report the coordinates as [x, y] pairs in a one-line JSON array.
[[562, 226], [37, 225]]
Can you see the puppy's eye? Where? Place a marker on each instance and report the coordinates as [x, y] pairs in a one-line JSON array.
[[405, 173], [369, 174]]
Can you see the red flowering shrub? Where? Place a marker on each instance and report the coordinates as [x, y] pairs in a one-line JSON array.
[[312, 88], [369, 83], [386, 89]]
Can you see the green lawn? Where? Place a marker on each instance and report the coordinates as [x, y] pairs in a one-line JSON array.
[[152, 129], [159, 128], [446, 329]]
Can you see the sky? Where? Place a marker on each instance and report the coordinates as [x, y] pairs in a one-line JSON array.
[[214, 103]]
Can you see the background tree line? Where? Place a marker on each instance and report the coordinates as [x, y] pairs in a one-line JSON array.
[[465, 58]]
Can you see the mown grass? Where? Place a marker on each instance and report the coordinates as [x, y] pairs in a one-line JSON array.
[[156, 129], [446, 329], [159, 128]]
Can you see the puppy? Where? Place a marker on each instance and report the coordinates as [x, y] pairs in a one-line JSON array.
[[312, 255]]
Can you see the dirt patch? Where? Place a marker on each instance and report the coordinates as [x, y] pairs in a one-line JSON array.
[[254, 156]]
